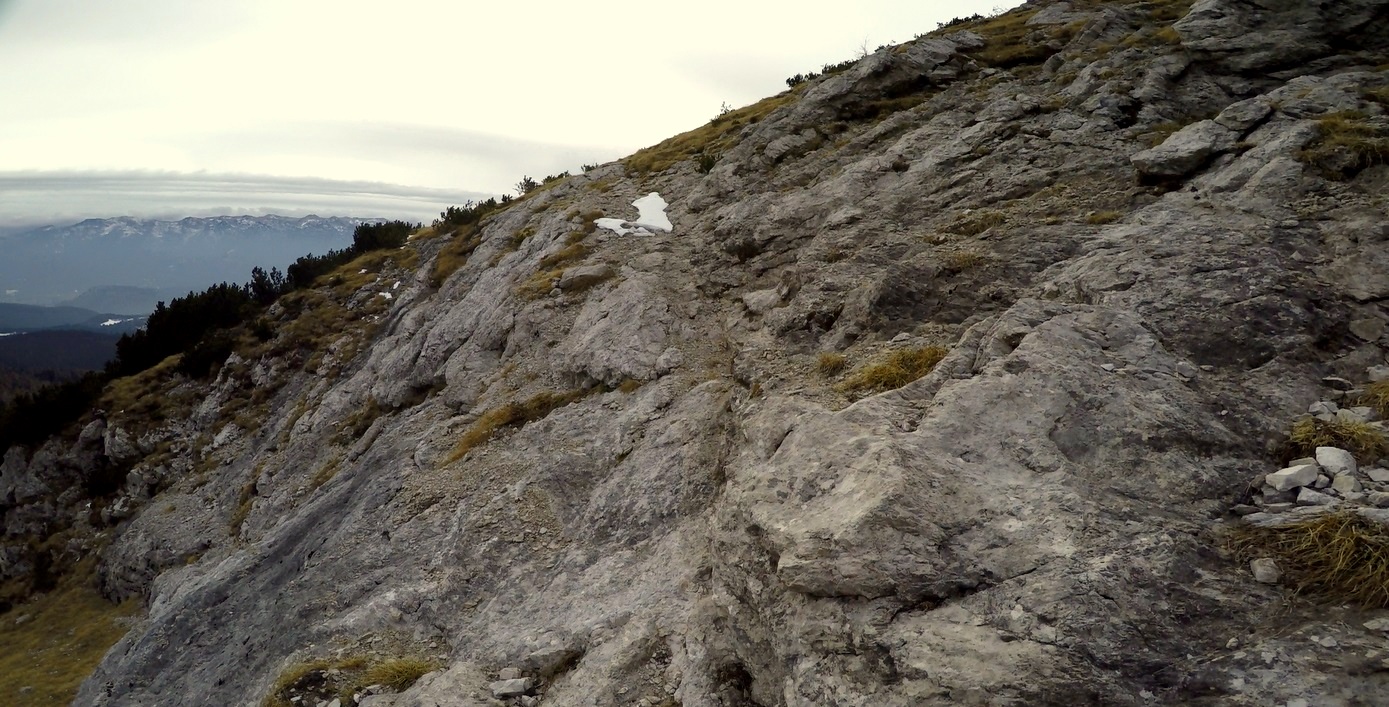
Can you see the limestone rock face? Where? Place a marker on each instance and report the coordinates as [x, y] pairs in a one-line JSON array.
[[633, 472], [1249, 35], [1186, 150]]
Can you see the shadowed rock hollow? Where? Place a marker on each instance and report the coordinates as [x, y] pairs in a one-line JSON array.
[[1127, 222]]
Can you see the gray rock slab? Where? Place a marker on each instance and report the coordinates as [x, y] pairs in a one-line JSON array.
[[1292, 477], [1185, 151], [1336, 461], [514, 687], [1346, 483], [1310, 497]]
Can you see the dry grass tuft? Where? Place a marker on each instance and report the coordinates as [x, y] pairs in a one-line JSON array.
[[714, 137], [894, 370], [962, 260], [512, 415], [830, 363], [1377, 396], [976, 224], [326, 472], [1350, 142], [1339, 557], [1100, 218], [399, 673], [539, 284], [1363, 440], [455, 254], [51, 644]]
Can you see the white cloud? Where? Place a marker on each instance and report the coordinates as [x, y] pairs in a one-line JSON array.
[[449, 95]]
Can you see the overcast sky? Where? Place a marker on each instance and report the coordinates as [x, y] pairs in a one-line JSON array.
[[399, 108]]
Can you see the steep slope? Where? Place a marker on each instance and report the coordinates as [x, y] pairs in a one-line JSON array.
[[570, 467]]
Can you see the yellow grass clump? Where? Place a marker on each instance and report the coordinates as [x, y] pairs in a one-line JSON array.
[[1340, 557], [49, 645], [1363, 440], [894, 370], [512, 414], [1377, 396], [830, 363]]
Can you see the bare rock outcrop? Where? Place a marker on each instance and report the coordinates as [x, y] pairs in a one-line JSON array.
[[582, 468]]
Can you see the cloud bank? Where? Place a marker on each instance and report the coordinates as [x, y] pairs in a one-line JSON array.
[[57, 197]]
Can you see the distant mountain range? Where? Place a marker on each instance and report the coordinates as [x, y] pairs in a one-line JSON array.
[[28, 318], [125, 265]]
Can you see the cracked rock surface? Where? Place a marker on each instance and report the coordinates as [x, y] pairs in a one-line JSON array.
[[1140, 284]]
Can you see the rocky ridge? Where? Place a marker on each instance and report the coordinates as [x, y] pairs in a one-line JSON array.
[[1127, 223]]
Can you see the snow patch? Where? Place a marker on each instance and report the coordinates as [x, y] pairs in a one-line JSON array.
[[396, 286], [10, 333], [113, 322], [363, 271], [387, 295], [651, 217]]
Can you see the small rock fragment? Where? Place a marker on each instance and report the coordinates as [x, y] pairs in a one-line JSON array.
[[511, 688], [584, 276], [1337, 383], [1265, 570], [1308, 497], [509, 674], [1336, 461], [1377, 624], [1322, 407], [1293, 477], [1368, 329], [1322, 481], [1346, 483], [1378, 475], [1349, 415]]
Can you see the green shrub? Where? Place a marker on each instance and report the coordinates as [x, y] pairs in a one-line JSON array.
[[376, 236]]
